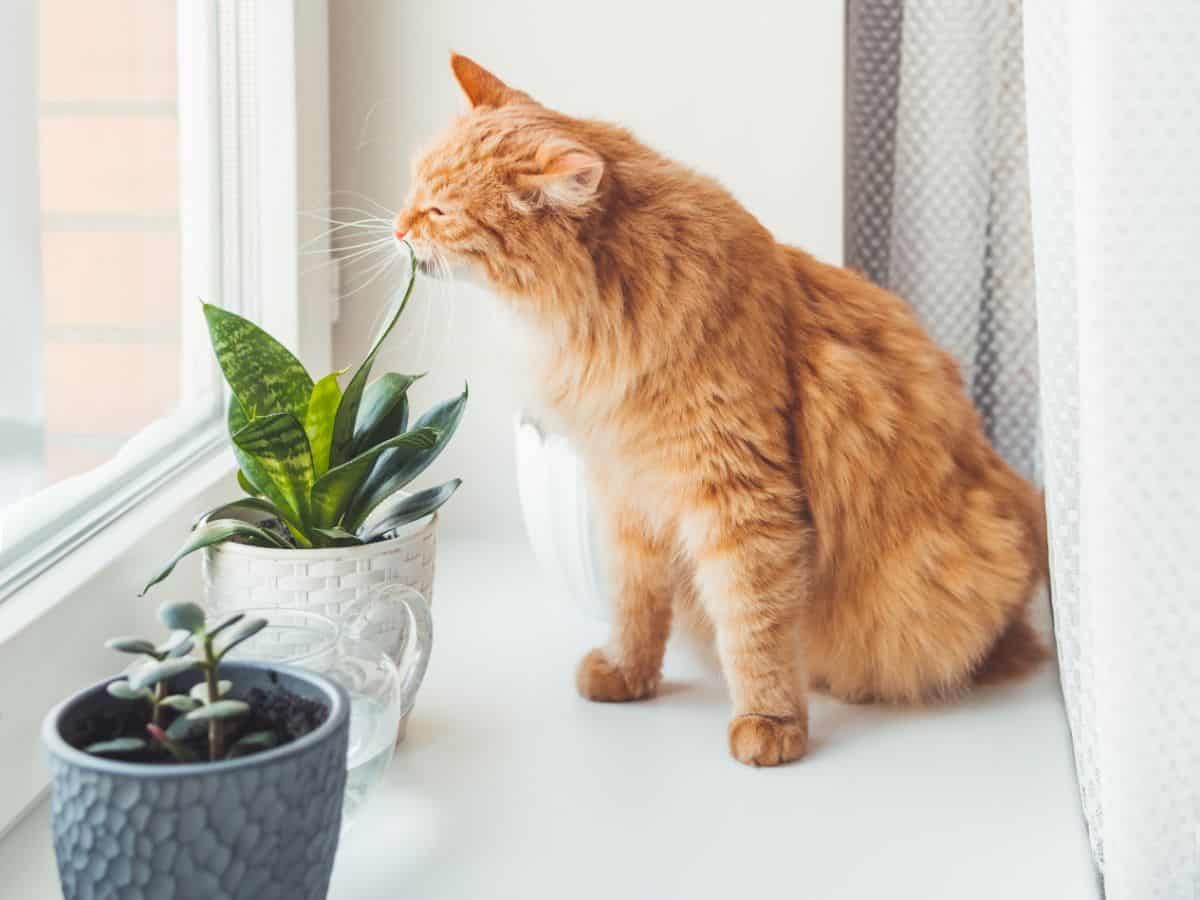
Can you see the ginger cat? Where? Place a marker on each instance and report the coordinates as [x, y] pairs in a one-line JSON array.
[[781, 449]]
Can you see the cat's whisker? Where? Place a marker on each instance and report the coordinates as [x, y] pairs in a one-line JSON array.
[[344, 248], [378, 270], [345, 260], [371, 200]]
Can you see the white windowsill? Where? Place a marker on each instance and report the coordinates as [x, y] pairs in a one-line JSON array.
[[509, 785]]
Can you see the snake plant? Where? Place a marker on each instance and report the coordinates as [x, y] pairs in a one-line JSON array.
[[329, 466]]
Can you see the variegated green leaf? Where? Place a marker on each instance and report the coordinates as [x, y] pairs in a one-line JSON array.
[[384, 410], [215, 532], [238, 510], [258, 477], [265, 376], [244, 482], [394, 470], [331, 495], [279, 445], [401, 508], [342, 448], [337, 537], [319, 418]]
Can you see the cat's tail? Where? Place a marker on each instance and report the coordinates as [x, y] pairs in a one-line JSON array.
[[1019, 652]]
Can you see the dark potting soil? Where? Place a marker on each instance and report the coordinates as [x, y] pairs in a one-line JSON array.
[[278, 710]]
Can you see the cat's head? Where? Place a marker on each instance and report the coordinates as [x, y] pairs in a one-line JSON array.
[[505, 192]]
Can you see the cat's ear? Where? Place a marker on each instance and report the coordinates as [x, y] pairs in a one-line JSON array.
[[570, 176], [481, 86]]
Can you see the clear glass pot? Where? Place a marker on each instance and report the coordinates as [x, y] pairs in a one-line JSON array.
[[381, 690]]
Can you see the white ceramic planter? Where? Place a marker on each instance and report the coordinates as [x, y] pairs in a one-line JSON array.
[[560, 517], [331, 581]]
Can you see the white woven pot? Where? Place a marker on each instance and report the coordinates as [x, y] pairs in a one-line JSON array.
[[331, 581]]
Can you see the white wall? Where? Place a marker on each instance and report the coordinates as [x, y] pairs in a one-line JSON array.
[[750, 92]]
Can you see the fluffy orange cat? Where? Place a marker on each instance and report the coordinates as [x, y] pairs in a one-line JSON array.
[[781, 449]]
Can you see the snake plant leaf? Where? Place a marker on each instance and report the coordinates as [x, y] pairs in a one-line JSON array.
[[116, 746], [257, 475], [132, 645], [384, 410], [179, 702], [215, 532], [245, 485], [222, 709], [252, 743], [152, 674], [122, 691], [342, 448], [331, 495], [181, 615], [338, 537], [280, 446], [392, 472], [264, 375], [319, 417], [401, 508], [243, 631], [238, 510], [199, 692], [180, 643]]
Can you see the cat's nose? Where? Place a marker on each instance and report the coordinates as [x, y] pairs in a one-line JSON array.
[[400, 226]]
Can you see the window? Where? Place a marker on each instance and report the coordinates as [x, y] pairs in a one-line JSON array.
[[134, 171], [92, 352], [155, 152]]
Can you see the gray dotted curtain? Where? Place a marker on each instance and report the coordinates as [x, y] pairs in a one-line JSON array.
[[937, 205]]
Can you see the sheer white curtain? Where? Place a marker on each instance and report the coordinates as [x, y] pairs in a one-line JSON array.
[[1028, 176], [1114, 153]]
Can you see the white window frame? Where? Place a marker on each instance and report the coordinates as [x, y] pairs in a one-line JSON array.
[[263, 120]]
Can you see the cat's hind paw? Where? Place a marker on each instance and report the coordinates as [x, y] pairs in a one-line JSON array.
[[604, 681], [767, 740]]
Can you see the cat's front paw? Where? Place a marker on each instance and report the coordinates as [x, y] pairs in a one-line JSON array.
[[604, 681], [767, 740]]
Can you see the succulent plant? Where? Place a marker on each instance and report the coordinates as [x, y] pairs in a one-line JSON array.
[[329, 465], [205, 707]]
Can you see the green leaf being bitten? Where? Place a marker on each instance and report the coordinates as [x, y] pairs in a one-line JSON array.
[[347, 414]]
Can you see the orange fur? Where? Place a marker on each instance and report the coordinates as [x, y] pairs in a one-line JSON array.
[[778, 443]]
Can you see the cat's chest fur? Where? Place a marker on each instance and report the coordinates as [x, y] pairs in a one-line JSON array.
[[602, 408]]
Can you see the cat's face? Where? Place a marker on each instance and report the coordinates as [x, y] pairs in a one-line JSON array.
[[501, 194]]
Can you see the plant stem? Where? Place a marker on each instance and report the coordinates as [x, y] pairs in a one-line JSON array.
[[216, 736], [160, 691]]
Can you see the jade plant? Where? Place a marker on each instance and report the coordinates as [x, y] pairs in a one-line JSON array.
[[204, 709], [327, 466]]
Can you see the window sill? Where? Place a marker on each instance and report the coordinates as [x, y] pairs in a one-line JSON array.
[[510, 785]]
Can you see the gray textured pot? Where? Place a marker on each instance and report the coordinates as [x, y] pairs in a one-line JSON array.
[[256, 828]]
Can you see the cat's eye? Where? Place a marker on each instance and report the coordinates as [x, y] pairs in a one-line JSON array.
[[434, 211]]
